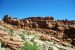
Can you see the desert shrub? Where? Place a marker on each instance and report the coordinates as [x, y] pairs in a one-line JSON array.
[[29, 33], [10, 32], [22, 36], [28, 46], [50, 48]]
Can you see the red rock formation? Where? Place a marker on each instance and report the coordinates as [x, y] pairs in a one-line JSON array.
[[1, 22], [46, 25], [34, 25], [37, 21], [70, 33], [7, 41]]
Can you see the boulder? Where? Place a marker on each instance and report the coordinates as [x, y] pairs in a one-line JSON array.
[[34, 25]]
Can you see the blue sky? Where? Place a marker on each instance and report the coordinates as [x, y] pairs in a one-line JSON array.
[[59, 9]]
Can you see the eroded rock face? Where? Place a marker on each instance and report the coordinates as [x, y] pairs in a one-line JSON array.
[[30, 22], [43, 22], [12, 42], [70, 33], [34, 25], [48, 24], [1, 22]]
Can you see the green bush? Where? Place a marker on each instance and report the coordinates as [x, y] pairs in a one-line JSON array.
[[28, 46]]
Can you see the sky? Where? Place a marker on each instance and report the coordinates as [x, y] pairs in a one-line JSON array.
[[59, 9]]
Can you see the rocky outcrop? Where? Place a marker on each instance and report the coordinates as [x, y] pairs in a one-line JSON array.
[[46, 25], [12, 42], [39, 22], [1, 22], [70, 33]]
